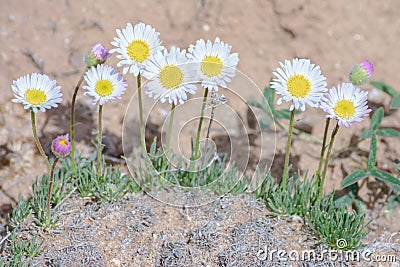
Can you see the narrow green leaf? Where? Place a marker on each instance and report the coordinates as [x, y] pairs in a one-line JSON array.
[[384, 176], [385, 88], [395, 102], [255, 104], [376, 119], [366, 134], [353, 178], [271, 98], [267, 92], [269, 95], [388, 132], [372, 153], [265, 123], [282, 114]]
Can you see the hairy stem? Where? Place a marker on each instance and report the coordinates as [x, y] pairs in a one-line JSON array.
[[39, 146], [141, 124], [99, 141], [72, 121], [50, 187], [287, 153], [197, 144], [321, 186], [323, 148]]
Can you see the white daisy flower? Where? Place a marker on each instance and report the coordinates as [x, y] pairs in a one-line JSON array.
[[104, 84], [135, 46], [36, 92], [214, 62], [170, 75], [299, 81], [347, 104]]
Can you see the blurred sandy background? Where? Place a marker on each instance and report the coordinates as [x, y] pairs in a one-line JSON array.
[[52, 36]]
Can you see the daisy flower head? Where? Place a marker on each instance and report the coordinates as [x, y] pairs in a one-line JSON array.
[[61, 146], [171, 75], [346, 103], [36, 92], [135, 45], [214, 63], [104, 84], [299, 81]]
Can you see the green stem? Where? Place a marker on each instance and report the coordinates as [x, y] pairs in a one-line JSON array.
[[287, 154], [50, 187], [171, 120], [323, 148], [321, 186], [99, 141], [39, 146], [141, 125], [203, 107], [72, 121]]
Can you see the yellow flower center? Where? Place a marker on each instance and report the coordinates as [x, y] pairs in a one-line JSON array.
[[63, 142], [298, 86], [104, 88], [345, 109], [171, 76], [211, 66], [138, 50], [35, 97]]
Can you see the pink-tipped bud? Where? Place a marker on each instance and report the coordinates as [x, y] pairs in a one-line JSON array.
[[97, 55], [61, 146], [361, 73]]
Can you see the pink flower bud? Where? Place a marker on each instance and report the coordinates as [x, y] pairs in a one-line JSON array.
[[61, 146], [361, 73], [97, 55]]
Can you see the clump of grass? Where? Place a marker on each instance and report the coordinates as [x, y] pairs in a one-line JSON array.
[[155, 171], [295, 199], [21, 252], [330, 221], [62, 180], [112, 185], [20, 212], [335, 225]]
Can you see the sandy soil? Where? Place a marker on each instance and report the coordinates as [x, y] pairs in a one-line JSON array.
[[53, 36]]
